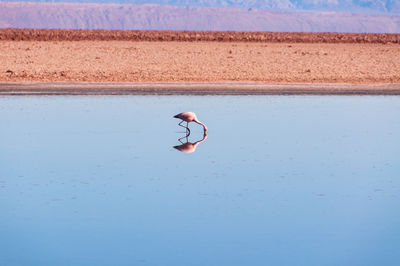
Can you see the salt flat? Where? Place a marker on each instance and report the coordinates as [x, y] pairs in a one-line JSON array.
[[149, 62]]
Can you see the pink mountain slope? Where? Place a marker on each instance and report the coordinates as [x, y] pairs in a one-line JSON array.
[[155, 17]]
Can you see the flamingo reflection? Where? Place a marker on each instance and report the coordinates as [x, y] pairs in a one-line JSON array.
[[189, 147]]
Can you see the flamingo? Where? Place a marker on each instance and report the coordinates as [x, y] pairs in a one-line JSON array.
[[189, 117]]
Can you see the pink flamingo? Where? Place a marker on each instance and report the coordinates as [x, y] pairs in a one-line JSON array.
[[189, 117]]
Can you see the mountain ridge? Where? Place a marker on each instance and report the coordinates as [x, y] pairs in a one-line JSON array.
[[358, 6], [159, 17]]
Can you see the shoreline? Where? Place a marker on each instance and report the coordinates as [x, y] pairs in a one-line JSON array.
[[225, 88]]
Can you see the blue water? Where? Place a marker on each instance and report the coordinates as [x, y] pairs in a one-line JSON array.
[[278, 181]]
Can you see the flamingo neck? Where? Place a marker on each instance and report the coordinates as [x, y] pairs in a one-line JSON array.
[[198, 122]]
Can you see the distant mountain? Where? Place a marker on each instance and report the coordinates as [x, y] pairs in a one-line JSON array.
[[156, 17], [360, 6]]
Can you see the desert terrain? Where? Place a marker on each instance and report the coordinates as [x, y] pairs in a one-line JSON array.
[[357, 59]]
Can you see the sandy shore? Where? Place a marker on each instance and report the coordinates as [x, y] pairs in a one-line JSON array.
[[124, 61], [343, 65]]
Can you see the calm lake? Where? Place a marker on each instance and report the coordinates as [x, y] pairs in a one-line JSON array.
[[278, 180]]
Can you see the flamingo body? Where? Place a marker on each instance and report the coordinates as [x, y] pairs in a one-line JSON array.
[[190, 117]]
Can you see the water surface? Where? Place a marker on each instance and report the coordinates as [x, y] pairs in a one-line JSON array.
[[280, 180]]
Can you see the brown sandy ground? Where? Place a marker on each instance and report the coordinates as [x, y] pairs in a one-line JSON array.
[[190, 36], [129, 61]]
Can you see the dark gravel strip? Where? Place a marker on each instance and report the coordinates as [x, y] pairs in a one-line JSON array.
[[191, 36], [195, 89]]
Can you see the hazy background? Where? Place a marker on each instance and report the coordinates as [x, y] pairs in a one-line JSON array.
[[365, 6], [374, 16]]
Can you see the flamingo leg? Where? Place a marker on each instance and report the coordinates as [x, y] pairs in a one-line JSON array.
[[186, 136], [187, 127], [180, 124]]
